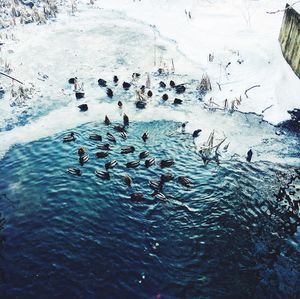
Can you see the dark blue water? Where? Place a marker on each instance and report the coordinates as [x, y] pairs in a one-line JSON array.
[[230, 236]]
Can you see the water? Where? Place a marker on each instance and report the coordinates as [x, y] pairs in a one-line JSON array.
[[81, 237]]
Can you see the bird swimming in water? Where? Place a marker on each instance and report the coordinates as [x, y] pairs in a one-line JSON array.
[[101, 155], [156, 185], [83, 159], [109, 93], [126, 85], [81, 151], [111, 137], [149, 162], [249, 155], [119, 128], [111, 164], [105, 147], [149, 93], [96, 137], [184, 181], [123, 135], [159, 195], [196, 133], [127, 149], [165, 97], [133, 164], [145, 136], [166, 177], [144, 155], [104, 175], [166, 163], [183, 126], [107, 121], [102, 83], [162, 84], [115, 79], [137, 196], [83, 107], [74, 171], [125, 120], [70, 137], [127, 180]]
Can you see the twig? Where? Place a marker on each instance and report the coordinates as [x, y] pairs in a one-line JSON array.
[[280, 10], [11, 78], [250, 89], [219, 86], [263, 111]]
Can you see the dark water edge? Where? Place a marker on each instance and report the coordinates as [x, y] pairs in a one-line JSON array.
[[231, 236]]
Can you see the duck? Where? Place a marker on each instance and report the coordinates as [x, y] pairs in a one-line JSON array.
[[184, 181], [162, 84], [159, 195], [127, 180], [149, 93], [137, 196], [107, 120], [172, 84], [104, 175], [123, 135], [125, 120], [102, 155], [127, 149], [120, 104], [102, 83], [81, 151], [126, 85], [79, 95], [156, 185], [83, 107], [95, 137], [166, 177], [150, 162], [141, 104], [74, 171], [119, 128], [133, 164], [142, 89], [165, 97], [111, 164], [180, 88], [196, 133], [105, 147], [166, 163], [72, 80], [109, 93], [70, 137], [249, 155], [145, 136], [136, 75], [177, 101], [83, 159], [115, 79], [144, 155], [111, 137]]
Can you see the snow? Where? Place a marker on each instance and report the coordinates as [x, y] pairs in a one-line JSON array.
[[115, 37]]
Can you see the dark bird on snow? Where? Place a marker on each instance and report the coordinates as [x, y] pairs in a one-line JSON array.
[[83, 107], [142, 89], [149, 93], [115, 79], [126, 85], [120, 104], [141, 104], [196, 133], [109, 92], [165, 97], [102, 83], [79, 95], [70, 137], [107, 121], [125, 120], [72, 80], [180, 89], [172, 84], [177, 101], [162, 84], [249, 155]]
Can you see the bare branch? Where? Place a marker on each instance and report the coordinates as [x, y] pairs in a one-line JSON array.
[[11, 78], [280, 10], [250, 89]]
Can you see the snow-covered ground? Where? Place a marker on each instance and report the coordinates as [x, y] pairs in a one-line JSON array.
[[121, 36]]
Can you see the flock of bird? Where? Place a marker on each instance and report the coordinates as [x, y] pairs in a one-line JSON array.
[[105, 148]]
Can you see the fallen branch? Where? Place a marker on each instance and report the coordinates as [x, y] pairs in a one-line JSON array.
[[11, 78], [281, 10], [250, 89]]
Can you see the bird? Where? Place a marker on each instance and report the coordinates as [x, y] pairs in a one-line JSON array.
[[145, 136], [107, 120], [70, 137], [127, 180]]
